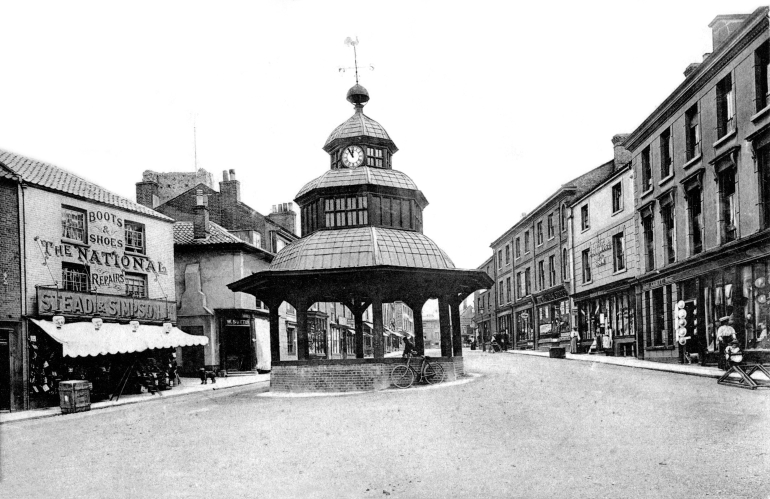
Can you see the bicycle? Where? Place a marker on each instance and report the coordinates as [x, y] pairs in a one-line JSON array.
[[403, 376]]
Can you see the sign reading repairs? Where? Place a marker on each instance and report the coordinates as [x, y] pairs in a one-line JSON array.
[[105, 252], [73, 303]]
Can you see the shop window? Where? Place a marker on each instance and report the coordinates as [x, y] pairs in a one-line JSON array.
[[695, 218], [73, 223], [135, 239], [517, 248], [669, 233], [524, 327], [551, 270], [727, 201], [317, 336], [586, 265], [725, 107], [618, 252], [136, 285], [666, 153], [352, 211], [540, 233], [649, 242], [692, 132], [762, 88], [74, 277], [617, 197], [646, 170], [550, 227], [585, 223]]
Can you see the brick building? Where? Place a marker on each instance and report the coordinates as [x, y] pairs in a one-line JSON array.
[[701, 165], [485, 301], [90, 261], [605, 257], [12, 341]]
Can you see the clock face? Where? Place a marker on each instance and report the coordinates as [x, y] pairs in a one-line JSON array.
[[352, 156]]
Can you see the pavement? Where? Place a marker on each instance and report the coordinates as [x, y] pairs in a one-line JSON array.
[[193, 385], [688, 369], [188, 386]]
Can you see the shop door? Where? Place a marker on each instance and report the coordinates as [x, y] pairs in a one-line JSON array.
[[5, 370], [192, 357], [238, 350]]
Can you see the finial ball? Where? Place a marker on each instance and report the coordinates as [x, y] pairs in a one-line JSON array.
[[358, 95]]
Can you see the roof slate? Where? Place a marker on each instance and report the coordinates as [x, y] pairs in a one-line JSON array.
[[184, 235], [359, 176], [362, 247], [358, 125], [54, 178]]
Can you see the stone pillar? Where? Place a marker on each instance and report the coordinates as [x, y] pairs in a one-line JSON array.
[[419, 337], [303, 347], [275, 332], [358, 317], [377, 343], [457, 336], [444, 326]]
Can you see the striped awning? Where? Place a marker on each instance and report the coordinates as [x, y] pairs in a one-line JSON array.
[[81, 339]]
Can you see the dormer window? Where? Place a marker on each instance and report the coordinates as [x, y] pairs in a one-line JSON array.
[[375, 157]]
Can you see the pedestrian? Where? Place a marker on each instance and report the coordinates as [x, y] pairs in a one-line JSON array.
[[599, 339], [408, 347], [725, 334], [574, 337], [505, 341]]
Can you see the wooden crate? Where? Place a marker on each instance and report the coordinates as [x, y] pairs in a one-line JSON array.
[[74, 396]]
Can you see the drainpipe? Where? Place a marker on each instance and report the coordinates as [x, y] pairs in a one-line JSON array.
[[23, 286]]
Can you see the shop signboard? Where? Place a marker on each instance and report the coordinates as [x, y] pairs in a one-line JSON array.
[[237, 322], [77, 304], [545, 328]]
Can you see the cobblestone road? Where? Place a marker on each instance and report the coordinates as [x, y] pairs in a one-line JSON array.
[[529, 427]]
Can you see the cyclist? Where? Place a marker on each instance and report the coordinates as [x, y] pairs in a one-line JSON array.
[[409, 349]]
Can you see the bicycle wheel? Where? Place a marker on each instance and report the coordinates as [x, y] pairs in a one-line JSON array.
[[402, 376], [434, 373]]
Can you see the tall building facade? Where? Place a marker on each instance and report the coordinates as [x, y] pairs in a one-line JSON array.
[[701, 165]]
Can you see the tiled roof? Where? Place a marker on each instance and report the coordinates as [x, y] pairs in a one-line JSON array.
[[361, 247], [356, 126], [52, 177], [6, 172], [359, 176], [184, 235]]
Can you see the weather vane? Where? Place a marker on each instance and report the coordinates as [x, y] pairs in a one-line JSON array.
[[352, 43]]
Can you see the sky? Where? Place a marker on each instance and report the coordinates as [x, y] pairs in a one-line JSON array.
[[493, 104]]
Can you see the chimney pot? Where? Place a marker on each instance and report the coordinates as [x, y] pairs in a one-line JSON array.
[[225, 176], [232, 174]]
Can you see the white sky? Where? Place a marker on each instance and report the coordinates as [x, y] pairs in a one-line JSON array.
[[492, 104]]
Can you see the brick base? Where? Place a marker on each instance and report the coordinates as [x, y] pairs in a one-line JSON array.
[[348, 375]]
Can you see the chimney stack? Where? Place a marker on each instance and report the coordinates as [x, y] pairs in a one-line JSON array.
[[622, 155], [230, 194], [285, 216], [722, 27], [201, 218]]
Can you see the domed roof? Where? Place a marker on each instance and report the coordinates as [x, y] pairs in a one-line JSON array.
[[359, 176], [361, 247], [358, 125]]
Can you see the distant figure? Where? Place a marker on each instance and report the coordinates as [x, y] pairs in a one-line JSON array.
[[599, 340], [206, 376], [408, 348], [733, 354], [574, 337], [505, 341]]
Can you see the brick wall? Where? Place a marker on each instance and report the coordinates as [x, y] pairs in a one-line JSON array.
[[10, 264], [349, 375]]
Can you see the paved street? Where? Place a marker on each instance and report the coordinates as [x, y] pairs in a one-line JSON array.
[[529, 427]]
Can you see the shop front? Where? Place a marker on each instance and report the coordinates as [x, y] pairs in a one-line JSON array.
[[728, 286], [607, 320], [524, 323], [504, 329], [237, 340], [553, 317], [120, 344]]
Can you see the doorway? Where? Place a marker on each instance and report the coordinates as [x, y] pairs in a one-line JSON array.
[[237, 349], [5, 370]]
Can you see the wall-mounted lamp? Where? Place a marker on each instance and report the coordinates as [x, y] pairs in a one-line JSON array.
[[58, 321], [97, 322], [167, 326], [134, 325]]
